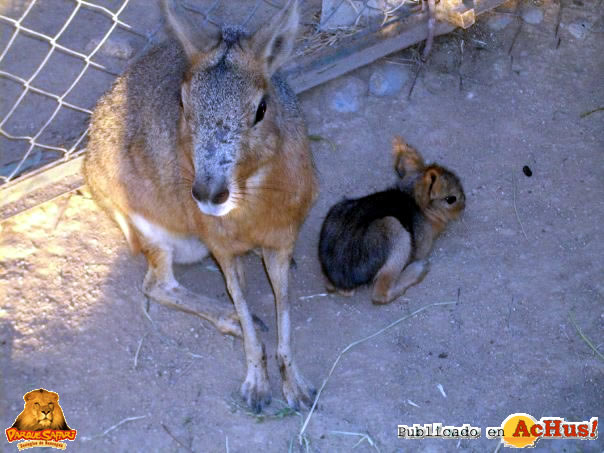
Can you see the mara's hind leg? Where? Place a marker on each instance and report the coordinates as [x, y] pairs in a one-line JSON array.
[[162, 248], [411, 275], [161, 287], [391, 281]]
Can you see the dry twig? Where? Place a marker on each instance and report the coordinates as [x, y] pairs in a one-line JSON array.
[[516, 209], [352, 345], [585, 338], [431, 23], [176, 439], [111, 428], [138, 350]]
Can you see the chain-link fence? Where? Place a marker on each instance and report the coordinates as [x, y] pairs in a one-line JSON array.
[[58, 56]]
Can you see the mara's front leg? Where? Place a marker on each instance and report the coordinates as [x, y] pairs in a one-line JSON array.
[[295, 390], [255, 390]]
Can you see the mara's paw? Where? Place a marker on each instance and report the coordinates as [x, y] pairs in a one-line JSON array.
[[256, 390], [340, 292], [381, 297], [297, 393], [229, 325]]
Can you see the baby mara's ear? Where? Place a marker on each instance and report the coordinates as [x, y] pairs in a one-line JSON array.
[[408, 164], [429, 186], [194, 40], [273, 43]]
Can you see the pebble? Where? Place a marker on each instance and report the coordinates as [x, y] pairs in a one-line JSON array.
[[388, 80], [578, 30], [532, 15], [499, 21], [346, 97], [527, 171]]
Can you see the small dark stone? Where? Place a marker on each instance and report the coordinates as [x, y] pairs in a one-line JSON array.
[[527, 171], [443, 355]]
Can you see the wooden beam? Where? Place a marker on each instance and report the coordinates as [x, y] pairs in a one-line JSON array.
[[42, 177]]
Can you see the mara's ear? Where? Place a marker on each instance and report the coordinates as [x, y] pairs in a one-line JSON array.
[[192, 39], [427, 188], [407, 161], [273, 42]]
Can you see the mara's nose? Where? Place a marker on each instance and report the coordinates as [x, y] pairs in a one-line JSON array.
[[221, 196], [216, 195]]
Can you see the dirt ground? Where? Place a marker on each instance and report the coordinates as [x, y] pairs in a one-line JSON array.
[[525, 258]]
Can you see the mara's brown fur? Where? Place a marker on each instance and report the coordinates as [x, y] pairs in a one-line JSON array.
[[200, 146]]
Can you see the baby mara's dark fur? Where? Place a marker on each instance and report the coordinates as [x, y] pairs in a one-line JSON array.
[[378, 236], [352, 248]]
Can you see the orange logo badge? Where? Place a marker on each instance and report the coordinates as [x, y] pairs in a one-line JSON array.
[[41, 423], [522, 430]]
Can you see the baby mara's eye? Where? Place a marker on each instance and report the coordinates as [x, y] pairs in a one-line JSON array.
[[451, 199], [260, 111]]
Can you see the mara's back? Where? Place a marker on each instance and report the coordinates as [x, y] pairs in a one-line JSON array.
[[140, 110]]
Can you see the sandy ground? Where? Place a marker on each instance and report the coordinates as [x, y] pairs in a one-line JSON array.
[[526, 255]]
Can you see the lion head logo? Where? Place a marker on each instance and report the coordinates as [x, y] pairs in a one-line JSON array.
[[42, 411]]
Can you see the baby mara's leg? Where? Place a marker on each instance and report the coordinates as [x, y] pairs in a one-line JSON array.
[[395, 276]]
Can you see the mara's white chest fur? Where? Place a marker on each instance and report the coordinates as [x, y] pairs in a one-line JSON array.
[[184, 249]]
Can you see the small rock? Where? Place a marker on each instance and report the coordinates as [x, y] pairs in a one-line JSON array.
[[347, 94], [388, 80], [499, 21], [527, 171], [532, 15], [578, 30], [112, 47]]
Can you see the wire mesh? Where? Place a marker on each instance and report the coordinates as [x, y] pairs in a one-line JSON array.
[[59, 56]]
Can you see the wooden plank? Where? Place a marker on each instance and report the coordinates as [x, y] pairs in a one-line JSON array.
[[361, 51], [42, 177], [366, 47], [303, 74]]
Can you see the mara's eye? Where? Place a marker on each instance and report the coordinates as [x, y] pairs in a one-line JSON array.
[[261, 111], [451, 199]]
